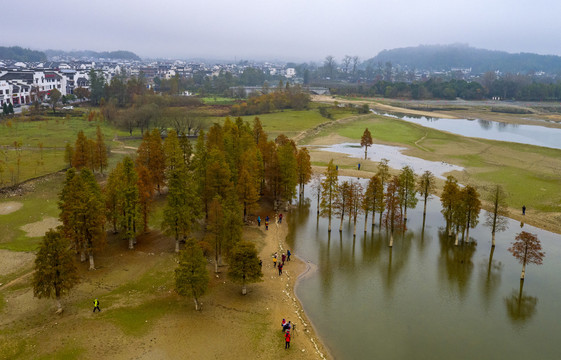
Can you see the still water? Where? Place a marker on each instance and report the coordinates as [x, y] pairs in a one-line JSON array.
[[396, 159], [492, 130], [426, 298]]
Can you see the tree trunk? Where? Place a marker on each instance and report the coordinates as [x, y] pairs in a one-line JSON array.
[[131, 243], [58, 306], [244, 289], [523, 271], [380, 221], [467, 234], [82, 255], [176, 245], [391, 239], [197, 305], [92, 265], [354, 225], [456, 242], [329, 226], [341, 225], [493, 239], [365, 222], [425, 207]]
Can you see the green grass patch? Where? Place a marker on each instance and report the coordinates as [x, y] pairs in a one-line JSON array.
[[288, 122], [37, 205], [68, 352], [43, 143], [160, 275], [138, 320], [218, 100], [11, 346], [526, 188], [157, 212]]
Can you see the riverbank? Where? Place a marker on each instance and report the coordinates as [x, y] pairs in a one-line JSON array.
[[143, 318]]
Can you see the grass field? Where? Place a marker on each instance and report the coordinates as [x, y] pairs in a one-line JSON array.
[[43, 144], [530, 174], [292, 122]]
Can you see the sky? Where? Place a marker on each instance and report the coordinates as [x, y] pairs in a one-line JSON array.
[[288, 30]]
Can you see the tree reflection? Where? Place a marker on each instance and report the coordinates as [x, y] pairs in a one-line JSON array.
[[485, 124], [397, 258], [491, 278], [456, 261], [519, 307]]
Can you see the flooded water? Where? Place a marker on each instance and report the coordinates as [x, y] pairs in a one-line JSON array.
[[426, 298], [492, 130], [397, 160]]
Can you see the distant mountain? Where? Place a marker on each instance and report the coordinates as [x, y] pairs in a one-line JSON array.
[[447, 57], [17, 53], [88, 54]]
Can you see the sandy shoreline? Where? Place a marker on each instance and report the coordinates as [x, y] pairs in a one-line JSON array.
[[275, 242]]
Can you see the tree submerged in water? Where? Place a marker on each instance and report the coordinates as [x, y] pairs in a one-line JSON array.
[[527, 249]]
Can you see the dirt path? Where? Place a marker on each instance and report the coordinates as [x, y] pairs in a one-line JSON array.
[[282, 287]]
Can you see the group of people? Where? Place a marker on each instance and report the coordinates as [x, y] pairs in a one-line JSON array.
[[278, 221], [284, 257], [286, 327]]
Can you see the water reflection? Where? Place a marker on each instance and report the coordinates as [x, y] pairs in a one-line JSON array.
[[490, 278], [492, 130], [366, 298], [485, 124], [520, 307], [397, 160], [457, 262]]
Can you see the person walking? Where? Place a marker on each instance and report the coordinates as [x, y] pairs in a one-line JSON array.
[[287, 340], [267, 218], [266, 224], [523, 209], [288, 253], [283, 257], [280, 218], [280, 269], [275, 261], [96, 305], [259, 221]]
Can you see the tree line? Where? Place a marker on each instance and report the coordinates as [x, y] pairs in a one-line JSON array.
[[283, 97]]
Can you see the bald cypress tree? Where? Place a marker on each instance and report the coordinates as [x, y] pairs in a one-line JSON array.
[[130, 207], [100, 150], [244, 265], [191, 275], [55, 272], [366, 141], [329, 187], [82, 155]]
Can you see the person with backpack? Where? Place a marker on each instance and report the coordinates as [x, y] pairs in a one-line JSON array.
[[287, 340]]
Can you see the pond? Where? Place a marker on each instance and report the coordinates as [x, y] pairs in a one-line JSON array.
[[491, 130], [426, 298], [397, 160]]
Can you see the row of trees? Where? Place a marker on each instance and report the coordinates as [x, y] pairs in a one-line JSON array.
[[282, 98], [391, 196], [87, 153]]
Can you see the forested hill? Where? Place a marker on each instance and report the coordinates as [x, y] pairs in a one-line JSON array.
[[119, 54], [447, 57], [16, 53]]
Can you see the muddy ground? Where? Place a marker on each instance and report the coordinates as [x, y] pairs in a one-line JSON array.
[[143, 318]]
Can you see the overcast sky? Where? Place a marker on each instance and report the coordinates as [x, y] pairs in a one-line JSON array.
[[298, 30]]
